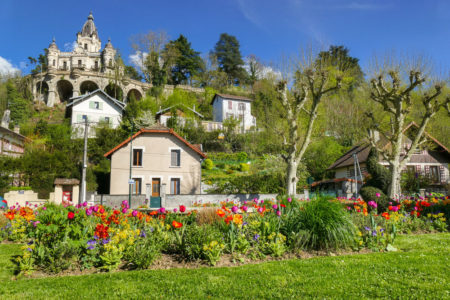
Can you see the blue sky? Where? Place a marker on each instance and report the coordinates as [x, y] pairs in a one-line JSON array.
[[268, 29]]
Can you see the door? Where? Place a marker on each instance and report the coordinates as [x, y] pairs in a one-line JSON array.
[[155, 199]]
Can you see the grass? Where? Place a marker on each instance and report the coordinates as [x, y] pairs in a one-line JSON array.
[[421, 270]]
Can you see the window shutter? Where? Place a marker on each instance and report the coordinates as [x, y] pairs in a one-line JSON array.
[[91, 104], [442, 174], [79, 118], [101, 106]]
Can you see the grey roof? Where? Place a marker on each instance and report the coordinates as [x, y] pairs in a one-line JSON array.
[[79, 99], [89, 27], [13, 133], [231, 97], [161, 111]]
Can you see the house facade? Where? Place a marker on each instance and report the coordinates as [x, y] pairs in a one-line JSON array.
[[12, 143], [162, 163], [96, 107], [431, 162], [183, 113], [227, 106]]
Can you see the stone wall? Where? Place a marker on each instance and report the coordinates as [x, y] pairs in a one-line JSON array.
[[116, 200], [22, 197], [173, 201]]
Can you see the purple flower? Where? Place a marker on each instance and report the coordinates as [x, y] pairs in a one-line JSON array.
[[84, 204], [274, 206], [89, 211], [95, 208], [29, 250], [124, 210], [374, 233], [175, 210], [143, 234], [90, 247], [245, 223], [381, 229], [30, 243], [92, 242], [367, 228], [234, 209], [244, 208], [106, 241], [256, 237], [134, 213]]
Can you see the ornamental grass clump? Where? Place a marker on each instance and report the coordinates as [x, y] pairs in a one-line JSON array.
[[325, 225]]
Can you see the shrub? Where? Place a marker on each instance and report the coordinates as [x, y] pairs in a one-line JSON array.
[[208, 164], [324, 225], [220, 165], [244, 167], [194, 237], [144, 251], [242, 156], [369, 193]]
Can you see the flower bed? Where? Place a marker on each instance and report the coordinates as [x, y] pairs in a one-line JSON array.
[[60, 237]]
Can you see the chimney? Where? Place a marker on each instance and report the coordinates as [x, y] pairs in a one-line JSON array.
[[17, 129]]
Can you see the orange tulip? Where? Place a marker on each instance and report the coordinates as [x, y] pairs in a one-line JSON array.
[[220, 213], [176, 224]]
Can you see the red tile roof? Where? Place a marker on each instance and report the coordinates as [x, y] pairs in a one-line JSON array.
[[156, 129]]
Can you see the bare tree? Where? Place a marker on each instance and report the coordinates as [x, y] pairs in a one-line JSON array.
[[312, 81], [395, 93]]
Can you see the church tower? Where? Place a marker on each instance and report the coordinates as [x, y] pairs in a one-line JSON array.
[[88, 39]]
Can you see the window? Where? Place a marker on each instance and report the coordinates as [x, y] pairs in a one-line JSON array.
[[434, 174], [65, 65], [175, 186], [137, 157], [241, 106], [110, 62], [107, 119], [175, 158], [411, 169], [136, 188], [84, 117], [54, 62], [97, 105], [230, 104], [85, 46], [96, 64], [79, 62]]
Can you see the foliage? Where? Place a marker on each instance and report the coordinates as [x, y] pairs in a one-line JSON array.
[[132, 73], [320, 155], [229, 58], [188, 62], [20, 107], [379, 175], [208, 164], [243, 167], [370, 193], [325, 225]]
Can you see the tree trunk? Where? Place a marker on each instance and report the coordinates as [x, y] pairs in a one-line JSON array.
[[394, 188], [291, 178]]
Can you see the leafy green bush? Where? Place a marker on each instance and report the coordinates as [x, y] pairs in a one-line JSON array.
[[221, 165], [194, 237], [242, 156], [244, 167], [370, 193], [144, 251], [324, 224], [208, 163], [380, 177]]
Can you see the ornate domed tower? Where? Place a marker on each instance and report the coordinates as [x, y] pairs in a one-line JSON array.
[[108, 54], [52, 55], [88, 39]]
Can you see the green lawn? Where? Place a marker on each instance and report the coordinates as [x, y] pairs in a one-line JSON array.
[[420, 271]]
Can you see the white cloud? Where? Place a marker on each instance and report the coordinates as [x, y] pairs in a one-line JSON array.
[[6, 68], [138, 58], [70, 46], [22, 65]]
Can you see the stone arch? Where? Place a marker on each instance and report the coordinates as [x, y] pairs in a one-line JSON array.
[[114, 91], [87, 87], [42, 91], [134, 92], [64, 89]]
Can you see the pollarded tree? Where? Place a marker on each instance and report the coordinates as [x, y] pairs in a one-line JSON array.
[[311, 83], [395, 95]]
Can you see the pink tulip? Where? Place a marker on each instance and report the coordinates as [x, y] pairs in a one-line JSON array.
[[289, 200], [134, 213]]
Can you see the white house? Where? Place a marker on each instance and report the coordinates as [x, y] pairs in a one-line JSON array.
[[182, 111], [227, 106], [95, 107]]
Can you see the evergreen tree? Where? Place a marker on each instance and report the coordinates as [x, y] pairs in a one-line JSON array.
[[229, 58], [187, 63], [132, 73]]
